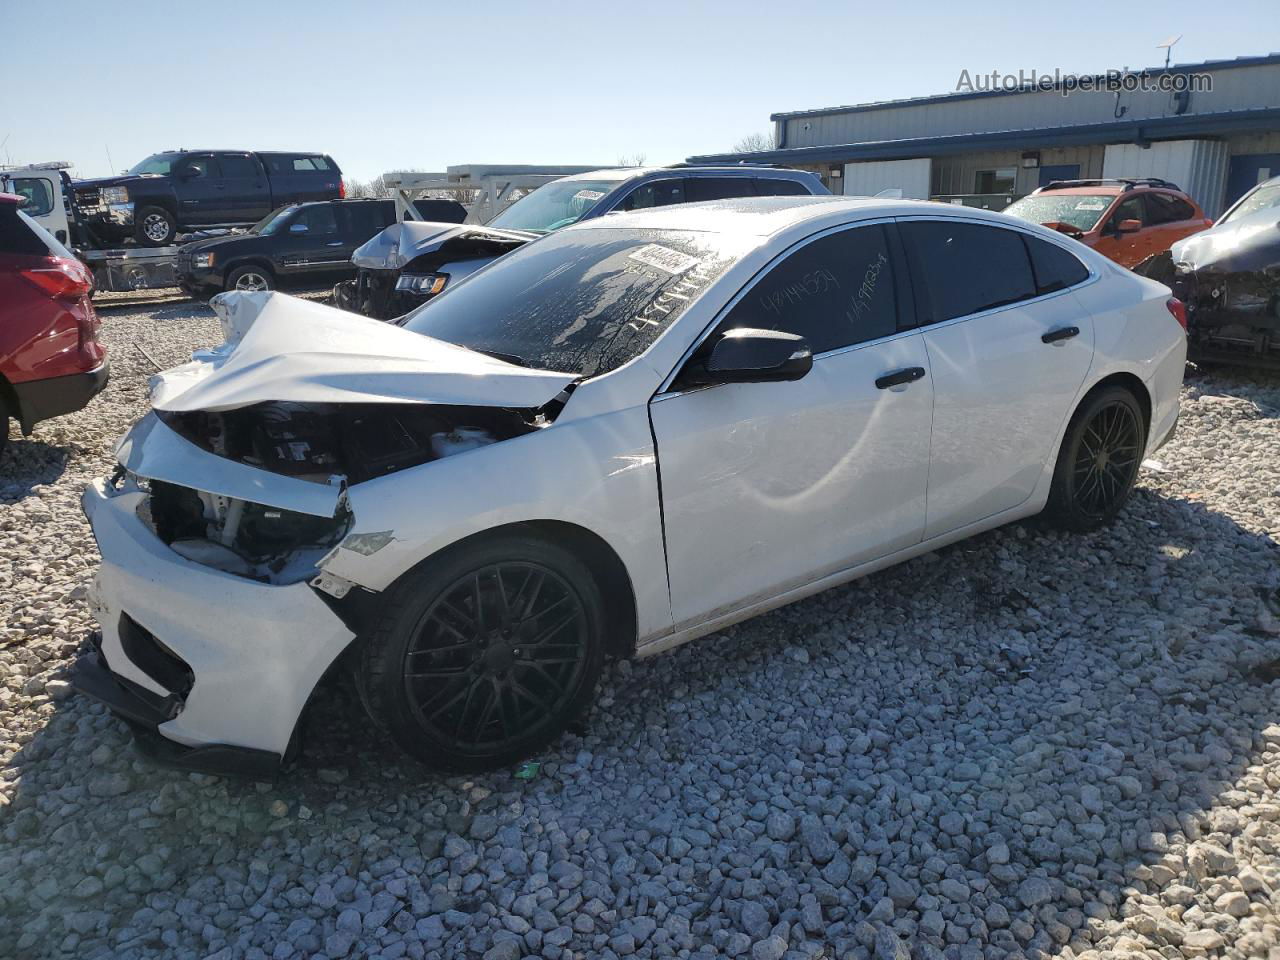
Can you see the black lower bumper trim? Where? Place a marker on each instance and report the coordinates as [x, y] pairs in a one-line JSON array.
[[45, 399], [144, 712]]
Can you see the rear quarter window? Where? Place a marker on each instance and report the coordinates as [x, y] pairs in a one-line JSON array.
[[19, 235], [1054, 268]]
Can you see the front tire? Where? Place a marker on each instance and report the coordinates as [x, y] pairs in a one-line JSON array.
[[484, 655], [251, 278], [1098, 462], [155, 227]]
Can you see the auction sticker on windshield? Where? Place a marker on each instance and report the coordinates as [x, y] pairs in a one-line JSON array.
[[1091, 205], [588, 195], [663, 258]]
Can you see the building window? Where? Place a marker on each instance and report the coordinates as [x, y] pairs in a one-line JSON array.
[[1000, 180]]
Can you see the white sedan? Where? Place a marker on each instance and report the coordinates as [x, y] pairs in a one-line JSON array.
[[618, 438]]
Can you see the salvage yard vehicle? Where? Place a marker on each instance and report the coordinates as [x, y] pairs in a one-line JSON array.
[[1127, 220], [180, 190], [300, 245], [1229, 278], [408, 264], [51, 361], [630, 433]]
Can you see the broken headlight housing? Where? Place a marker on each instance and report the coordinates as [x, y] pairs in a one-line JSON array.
[[422, 284]]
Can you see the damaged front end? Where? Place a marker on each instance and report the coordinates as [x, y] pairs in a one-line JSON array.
[[409, 263], [228, 503], [1229, 279]]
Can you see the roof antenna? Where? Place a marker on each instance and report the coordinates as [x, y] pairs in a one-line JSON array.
[[1167, 47]]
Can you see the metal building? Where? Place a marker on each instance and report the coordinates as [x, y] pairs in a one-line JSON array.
[[1215, 140]]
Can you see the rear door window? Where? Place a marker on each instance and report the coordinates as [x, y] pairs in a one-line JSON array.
[[656, 193], [719, 188], [1166, 208], [238, 165], [1054, 268], [360, 221], [836, 291], [963, 268], [769, 187]]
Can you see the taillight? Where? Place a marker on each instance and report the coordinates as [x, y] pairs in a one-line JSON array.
[[1179, 311], [62, 279], [342, 189]]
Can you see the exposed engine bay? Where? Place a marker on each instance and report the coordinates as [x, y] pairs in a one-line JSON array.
[[350, 443], [360, 441]]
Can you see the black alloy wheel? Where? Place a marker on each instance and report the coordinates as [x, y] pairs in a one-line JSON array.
[[497, 656], [485, 653], [1099, 460]]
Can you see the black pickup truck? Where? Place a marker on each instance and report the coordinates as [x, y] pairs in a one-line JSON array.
[[179, 190]]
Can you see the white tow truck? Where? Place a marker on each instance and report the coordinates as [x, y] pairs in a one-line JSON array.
[[115, 268]]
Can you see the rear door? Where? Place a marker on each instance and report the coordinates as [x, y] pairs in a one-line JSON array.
[[202, 195], [1009, 348], [1171, 218], [358, 222], [247, 198]]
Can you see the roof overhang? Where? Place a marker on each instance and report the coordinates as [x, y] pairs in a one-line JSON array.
[[1140, 132]]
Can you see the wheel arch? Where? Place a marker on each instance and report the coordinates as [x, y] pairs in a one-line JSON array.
[[610, 573], [1127, 381], [249, 260]]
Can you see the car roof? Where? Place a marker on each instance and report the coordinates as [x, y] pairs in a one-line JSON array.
[[620, 174], [764, 216]]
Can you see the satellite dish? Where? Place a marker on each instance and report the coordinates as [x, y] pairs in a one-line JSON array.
[[1167, 47]]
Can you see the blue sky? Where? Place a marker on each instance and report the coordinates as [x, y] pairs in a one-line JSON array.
[[547, 82]]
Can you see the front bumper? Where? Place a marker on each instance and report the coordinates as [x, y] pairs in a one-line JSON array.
[[44, 399], [254, 651]]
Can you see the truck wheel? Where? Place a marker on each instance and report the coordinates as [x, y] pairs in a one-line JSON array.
[[251, 278], [155, 227]]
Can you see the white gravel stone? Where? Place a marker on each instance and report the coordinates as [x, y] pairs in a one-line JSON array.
[[859, 772]]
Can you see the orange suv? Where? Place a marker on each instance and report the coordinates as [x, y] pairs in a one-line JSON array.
[[1126, 220]]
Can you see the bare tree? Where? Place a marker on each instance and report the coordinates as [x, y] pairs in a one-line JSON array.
[[631, 159], [755, 143]]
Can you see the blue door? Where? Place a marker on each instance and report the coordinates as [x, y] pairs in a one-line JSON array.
[[1060, 171], [1248, 171]]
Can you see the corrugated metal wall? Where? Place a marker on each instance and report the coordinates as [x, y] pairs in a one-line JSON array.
[[1233, 89], [870, 177], [958, 174], [1198, 166]]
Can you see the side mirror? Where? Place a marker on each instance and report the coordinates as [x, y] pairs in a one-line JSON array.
[[747, 355], [1129, 226], [298, 228]]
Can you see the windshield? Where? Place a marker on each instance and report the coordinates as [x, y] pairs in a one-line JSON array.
[[1082, 211], [585, 301], [1263, 198], [553, 205], [272, 222], [158, 164]]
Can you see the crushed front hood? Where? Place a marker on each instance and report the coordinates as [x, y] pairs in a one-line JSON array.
[[282, 348], [402, 242], [1247, 243]]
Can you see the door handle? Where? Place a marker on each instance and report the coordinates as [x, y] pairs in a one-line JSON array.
[[1062, 333], [905, 375], [336, 243]]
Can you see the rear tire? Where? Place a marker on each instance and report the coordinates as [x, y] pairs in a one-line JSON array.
[[1098, 462], [154, 227], [484, 655], [250, 278]]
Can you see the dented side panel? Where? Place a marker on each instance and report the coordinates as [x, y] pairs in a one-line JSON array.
[[598, 473]]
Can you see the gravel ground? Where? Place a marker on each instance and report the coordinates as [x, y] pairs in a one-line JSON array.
[[1024, 745]]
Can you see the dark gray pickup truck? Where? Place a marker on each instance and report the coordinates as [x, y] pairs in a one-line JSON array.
[[180, 190]]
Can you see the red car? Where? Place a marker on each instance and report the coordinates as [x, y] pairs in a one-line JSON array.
[[1126, 220], [51, 361]]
